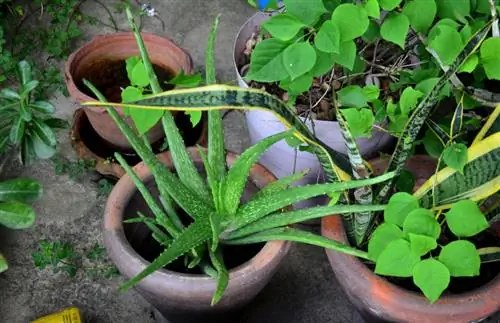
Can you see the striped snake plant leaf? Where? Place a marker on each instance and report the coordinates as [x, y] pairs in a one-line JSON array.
[[363, 195], [160, 215], [442, 135], [491, 208], [216, 154], [457, 120], [281, 183], [292, 234], [219, 97], [480, 179], [168, 184], [490, 126], [421, 113], [280, 219], [222, 275], [236, 179], [489, 254], [194, 235], [264, 205], [186, 170]]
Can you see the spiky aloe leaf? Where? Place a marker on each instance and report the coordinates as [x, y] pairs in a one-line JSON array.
[[287, 218], [168, 183], [264, 205], [194, 235], [421, 113], [236, 179], [222, 275], [363, 195], [485, 130], [161, 217], [219, 97], [480, 179], [291, 234], [216, 154], [281, 184], [158, 234]]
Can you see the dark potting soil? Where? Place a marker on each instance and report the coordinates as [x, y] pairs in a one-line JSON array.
[[458, 285], [110, 77], [141, 240]]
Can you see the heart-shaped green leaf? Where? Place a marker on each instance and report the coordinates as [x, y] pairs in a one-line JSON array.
[[397, 259], [461, 258], [432, 277]]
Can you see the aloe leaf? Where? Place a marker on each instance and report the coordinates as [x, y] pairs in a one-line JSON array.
[[222, 275], [161, 217], [216, 229], [216, 154], [194, 235], [211, 178], [157, 233], [262, 206], [168, 184], [291, 234], [363, 195], [287, 218], [20, 189], [281, 184], [168, 206], [236, 179], [421, 113], [480, 179]]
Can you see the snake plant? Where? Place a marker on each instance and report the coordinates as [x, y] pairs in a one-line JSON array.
[[213, 202]]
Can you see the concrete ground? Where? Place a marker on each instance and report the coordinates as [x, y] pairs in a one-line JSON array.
[[304, 289]]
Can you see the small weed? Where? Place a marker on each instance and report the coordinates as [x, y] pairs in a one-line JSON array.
[[76, 170], [62, 257], [105, 187]]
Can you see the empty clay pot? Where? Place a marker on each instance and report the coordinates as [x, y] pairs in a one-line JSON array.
[[184, 297], [381, 301], [102, 62]]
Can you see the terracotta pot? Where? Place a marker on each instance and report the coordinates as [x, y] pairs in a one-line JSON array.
[[381, 301], [185, 297], [101, 58]]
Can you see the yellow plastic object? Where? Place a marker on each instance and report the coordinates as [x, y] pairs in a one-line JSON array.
[[69, 315]]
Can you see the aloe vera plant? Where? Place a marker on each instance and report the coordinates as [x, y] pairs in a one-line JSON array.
[[15, 213]]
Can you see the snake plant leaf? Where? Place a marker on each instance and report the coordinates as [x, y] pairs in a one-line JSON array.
[[219, 97], [195, 234], [3, 264], [222, 275], [292, 234], [216, 154], [457, 120], [489, 254], [16, 215], [281, 219], [363, 195], [264, 205], [480, 179], [486, 130], [235, 181], [20, 189], [441, 135], [407, 139]]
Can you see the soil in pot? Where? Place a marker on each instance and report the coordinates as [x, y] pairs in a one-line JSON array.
[[110, 77]]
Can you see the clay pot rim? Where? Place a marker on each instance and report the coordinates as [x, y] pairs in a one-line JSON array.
[[125, 189], [125, 36], [396, 302]]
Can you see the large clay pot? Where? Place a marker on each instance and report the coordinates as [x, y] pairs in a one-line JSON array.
[[178, 296], [381, 301], [281, 159], [104, 57]]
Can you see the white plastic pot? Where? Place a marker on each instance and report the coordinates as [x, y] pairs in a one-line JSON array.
[[281, 159]]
